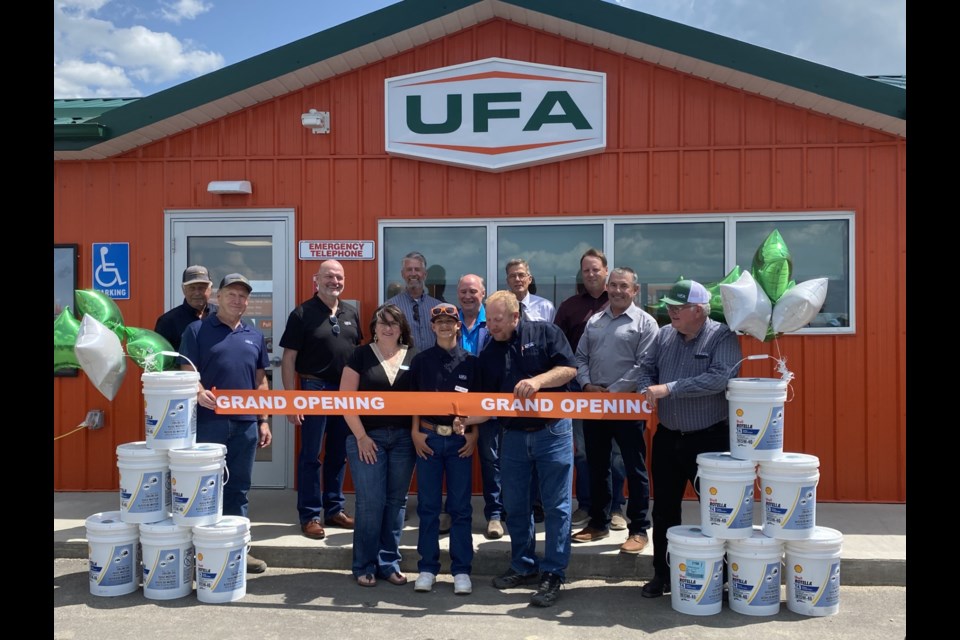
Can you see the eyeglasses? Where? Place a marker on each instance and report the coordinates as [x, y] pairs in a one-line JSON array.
[[677, 308], [335, 325], [517, 275], [444, 310], [416, 312]]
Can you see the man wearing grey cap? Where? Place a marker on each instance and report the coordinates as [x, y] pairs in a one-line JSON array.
[[197, 288], [684, 374], [229, 354]]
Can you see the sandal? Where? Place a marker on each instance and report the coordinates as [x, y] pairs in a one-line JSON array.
[[397, 578], [367, 580]]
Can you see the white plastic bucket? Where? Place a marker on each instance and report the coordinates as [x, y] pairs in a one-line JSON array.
[[756, 417], [168, 560], [696, 571], [170, 408], [114, 554], [755, 574], [788, 485], [813, 573], [222, 559], [197, 479], [144, 483], [726, 495]]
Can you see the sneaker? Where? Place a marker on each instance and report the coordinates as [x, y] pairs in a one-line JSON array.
[[512, 579], [494, 530], [579, 518], [634, 544], [655, 588], [462, 585], [255, 565], [617, 521], [445, 522], [424, 581], [538, 513], [589, 534], [548, 591]]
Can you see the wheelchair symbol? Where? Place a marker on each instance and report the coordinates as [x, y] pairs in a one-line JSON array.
[[107, 268]]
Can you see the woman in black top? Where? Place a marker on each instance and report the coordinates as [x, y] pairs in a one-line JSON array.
[[380, 449]]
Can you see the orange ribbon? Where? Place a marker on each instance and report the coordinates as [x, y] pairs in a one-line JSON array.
[[587, 406]]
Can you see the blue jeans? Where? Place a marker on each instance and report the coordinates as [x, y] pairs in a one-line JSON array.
[[381, 500], [311, 503], [445, 463], [582, 466], [488, 449], [550, 452], [240, 437]]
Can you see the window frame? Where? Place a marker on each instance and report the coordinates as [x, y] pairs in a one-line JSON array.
[[609, 228]]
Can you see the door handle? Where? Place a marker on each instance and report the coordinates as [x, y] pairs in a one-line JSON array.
[[275, 361]]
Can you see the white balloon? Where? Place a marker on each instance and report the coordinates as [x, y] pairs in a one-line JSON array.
[[746, 306], [100, 355], [799, 305]]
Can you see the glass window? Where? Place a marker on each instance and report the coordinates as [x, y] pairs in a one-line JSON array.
[[818, 248], [450, 250], [553, 252], [662, 253]]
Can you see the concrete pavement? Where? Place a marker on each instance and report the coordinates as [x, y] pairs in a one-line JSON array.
[[874, 545]]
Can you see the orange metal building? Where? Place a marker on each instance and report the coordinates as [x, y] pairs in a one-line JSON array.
[[700, 130]]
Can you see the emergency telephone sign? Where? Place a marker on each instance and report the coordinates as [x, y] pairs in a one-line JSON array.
[[336, 250]]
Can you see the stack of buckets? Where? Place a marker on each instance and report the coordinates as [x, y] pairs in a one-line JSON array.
[[788, 538], [170, 528]]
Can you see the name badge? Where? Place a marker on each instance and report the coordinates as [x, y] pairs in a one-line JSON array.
[[405, 367], [460, 389]]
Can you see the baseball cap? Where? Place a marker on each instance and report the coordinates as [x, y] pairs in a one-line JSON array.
[[235, 278], [687, 292], [444, 310], [196, 273]]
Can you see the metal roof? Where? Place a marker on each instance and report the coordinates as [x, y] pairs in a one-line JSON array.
[[408, 24]]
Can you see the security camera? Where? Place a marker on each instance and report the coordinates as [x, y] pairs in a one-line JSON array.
[[316, 121]]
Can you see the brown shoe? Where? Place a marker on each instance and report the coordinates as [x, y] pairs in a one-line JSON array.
[[634, 544], [313, 529], [341, 520], [589, 534]]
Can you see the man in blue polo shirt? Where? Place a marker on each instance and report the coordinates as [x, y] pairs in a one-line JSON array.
[[526, 357], [229, 354]]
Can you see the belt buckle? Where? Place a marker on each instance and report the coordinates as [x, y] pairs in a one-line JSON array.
[[444, 430]]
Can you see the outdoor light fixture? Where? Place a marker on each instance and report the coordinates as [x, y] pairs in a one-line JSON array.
[[230, 186], [316, 121]]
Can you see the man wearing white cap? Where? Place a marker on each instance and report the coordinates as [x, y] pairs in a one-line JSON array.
[[684, 374], [197, 288]]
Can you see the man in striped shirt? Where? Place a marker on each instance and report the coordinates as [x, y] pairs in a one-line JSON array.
[[414, 301], [685, 373]]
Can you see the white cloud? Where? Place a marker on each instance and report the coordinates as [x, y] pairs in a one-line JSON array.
[[183, 9], [94, 57]]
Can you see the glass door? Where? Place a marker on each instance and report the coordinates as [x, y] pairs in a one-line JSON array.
[[259, 245]]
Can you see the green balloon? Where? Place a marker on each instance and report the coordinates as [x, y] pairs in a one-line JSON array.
[[101, 307], [772, 266], [144, 343], [65, 328]]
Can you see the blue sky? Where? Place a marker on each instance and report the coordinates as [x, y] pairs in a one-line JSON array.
[[129, 48]]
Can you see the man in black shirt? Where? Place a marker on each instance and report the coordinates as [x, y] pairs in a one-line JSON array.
[[197, 287], [319, 338]]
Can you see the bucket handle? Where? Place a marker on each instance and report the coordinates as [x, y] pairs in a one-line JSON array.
[[226, 474], [785, 374], [148, 360]]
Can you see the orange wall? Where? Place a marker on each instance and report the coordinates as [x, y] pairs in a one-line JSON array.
[[676, 144]]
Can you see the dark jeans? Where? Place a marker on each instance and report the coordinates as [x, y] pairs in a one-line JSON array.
[[599, 436], [673, 463], [240, 438], [311, 502]]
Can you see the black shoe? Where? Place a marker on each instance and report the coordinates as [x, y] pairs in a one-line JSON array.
[[655, 588], [512, 579], [548, 591], [538, 513]]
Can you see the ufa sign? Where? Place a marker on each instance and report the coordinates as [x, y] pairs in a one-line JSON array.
[[496, 114]]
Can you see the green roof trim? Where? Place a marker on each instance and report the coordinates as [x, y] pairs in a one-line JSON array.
[[603, 16]]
